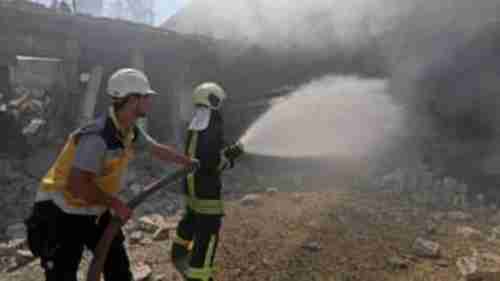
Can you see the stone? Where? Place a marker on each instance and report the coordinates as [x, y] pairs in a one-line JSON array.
[[159, 277], [16, 231], [312, 246], [495, 219], [250, 200], [272, 190], [135, 188], [151, 223], [427, 249], [298, 197], [24, 255], [142, 272], [33, 127], [467, 266], [161, 234], [438, 216], [397, 262], [136, 237], [458, 216], [469, 232], [431, 227]]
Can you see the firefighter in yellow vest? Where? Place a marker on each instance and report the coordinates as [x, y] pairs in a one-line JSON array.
[[77, 194], [193, 250]]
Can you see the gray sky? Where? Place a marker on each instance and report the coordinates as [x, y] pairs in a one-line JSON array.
[[163, 8]]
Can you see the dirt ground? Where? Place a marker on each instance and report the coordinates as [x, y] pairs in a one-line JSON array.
[[337, 235]]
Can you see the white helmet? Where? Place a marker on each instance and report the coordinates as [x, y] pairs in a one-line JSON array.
[[209, 94], [127, 81]]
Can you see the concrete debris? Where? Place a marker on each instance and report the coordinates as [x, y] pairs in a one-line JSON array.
[[312, 246], [151, 223], [298, 197], [251, 200], [495, 233], [495, 219], [161, 234], [427, 249], [467, 265], [438, 216], [16, 231], [159, 277], [6, 250], [469, 232], [458, 216], [397, 262], [24, 255], [272, 190], [33, 127], [479, 266], [142, 272], [443, 263], [136, 237], [431, 227], [136, 188]]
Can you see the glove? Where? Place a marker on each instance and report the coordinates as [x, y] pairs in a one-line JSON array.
[[233, 151], [120, 209]]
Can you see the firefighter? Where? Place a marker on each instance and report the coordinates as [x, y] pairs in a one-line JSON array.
[[194, 247], [78, 194]]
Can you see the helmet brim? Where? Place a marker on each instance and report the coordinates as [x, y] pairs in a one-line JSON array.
[[151, 93]]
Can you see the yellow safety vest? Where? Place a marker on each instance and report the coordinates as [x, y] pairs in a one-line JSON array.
[[115, 164]]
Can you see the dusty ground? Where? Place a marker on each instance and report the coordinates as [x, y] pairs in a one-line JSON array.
[[337, 235]]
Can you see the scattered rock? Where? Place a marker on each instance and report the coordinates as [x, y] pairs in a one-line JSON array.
[[250, 200], [438, 216], [151, 223], [24, 255], [442, 263], [159, 277], [272, 190], [298, 197], [469, 232], [458, 216], [16, 231], [467, 266], [161, 234], [142, 272], [136, 237], [397, 262], [136, 188], [495, 219], [312, 246], [431, 227], [426, 248]]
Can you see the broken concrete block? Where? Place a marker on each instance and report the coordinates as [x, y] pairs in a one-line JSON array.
[[312, 246], [272, 190], [426, 248], [136, 237], [458, 216], [467, 266], [151, 223], [469, 232], [397, 262], [161, 234], [142, 272], [250, 200]]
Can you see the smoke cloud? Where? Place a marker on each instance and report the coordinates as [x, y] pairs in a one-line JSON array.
[[445, 64], [314, 25]]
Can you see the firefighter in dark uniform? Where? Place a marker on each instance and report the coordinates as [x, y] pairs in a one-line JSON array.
[[193, 250]]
